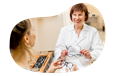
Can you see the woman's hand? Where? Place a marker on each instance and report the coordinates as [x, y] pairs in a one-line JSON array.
[[54, 66], [74, 67], [64, 54], [86, 53]]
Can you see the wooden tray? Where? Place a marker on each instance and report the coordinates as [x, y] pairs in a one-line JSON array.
[[46, 63]]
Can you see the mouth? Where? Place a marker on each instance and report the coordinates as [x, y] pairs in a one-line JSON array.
[[78, 21]]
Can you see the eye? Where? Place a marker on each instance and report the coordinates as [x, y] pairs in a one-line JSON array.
[[74, 14], [80, 14]]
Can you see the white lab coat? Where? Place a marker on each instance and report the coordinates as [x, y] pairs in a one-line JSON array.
[[88, 39]]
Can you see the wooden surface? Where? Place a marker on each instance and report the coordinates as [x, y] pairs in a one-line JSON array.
[[48, 55], [46, 62]]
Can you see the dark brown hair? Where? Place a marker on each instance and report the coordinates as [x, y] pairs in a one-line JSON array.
[[18, 32], [79, 7]]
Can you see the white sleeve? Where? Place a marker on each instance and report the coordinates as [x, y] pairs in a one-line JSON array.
[[60, 45], [96, 45], [87, 59]]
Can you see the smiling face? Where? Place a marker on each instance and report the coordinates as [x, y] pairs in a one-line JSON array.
[[79, 14], [78, 17]]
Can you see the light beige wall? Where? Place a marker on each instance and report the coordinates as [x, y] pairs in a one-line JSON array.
[[94, 10], [33, 22], [48, 29]]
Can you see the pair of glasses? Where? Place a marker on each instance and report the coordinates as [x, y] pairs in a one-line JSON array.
[[68, 65], [40, 62], [74, 55]]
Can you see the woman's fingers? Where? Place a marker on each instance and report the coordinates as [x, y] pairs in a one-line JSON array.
[[74, 67], [58, 67], [86, 53], [59, 60], [58, 63], [64, 52], [66, 70]]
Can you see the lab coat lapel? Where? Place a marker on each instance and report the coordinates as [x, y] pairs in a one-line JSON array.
[[82, 37], [83, 34], [72, 32]]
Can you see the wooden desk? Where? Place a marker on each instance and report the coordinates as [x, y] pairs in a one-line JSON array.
[[45, 65]]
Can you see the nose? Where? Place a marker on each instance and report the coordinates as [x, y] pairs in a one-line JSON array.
[[77, 17]]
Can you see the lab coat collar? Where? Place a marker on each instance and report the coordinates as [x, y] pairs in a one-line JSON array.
[[84, 35]]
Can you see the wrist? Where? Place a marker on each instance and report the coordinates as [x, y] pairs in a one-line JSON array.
[[50, 71], [62, 57], [90, 57]]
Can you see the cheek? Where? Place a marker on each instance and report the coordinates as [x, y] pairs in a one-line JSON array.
[[72, 17], [34, 37], [32, 40], [83, 18]]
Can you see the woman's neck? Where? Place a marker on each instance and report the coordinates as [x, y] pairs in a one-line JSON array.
[[20, 56], [78, 27]]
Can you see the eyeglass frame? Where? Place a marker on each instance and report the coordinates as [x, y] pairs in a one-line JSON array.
[[66, 64], [75, 55]]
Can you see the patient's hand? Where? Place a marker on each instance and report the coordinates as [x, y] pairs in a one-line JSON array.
[[54, 66], [74, 67]]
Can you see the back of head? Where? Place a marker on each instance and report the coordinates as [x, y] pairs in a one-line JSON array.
[[18, 32]]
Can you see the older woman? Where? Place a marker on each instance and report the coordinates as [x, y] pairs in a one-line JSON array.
[[78, 41]]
